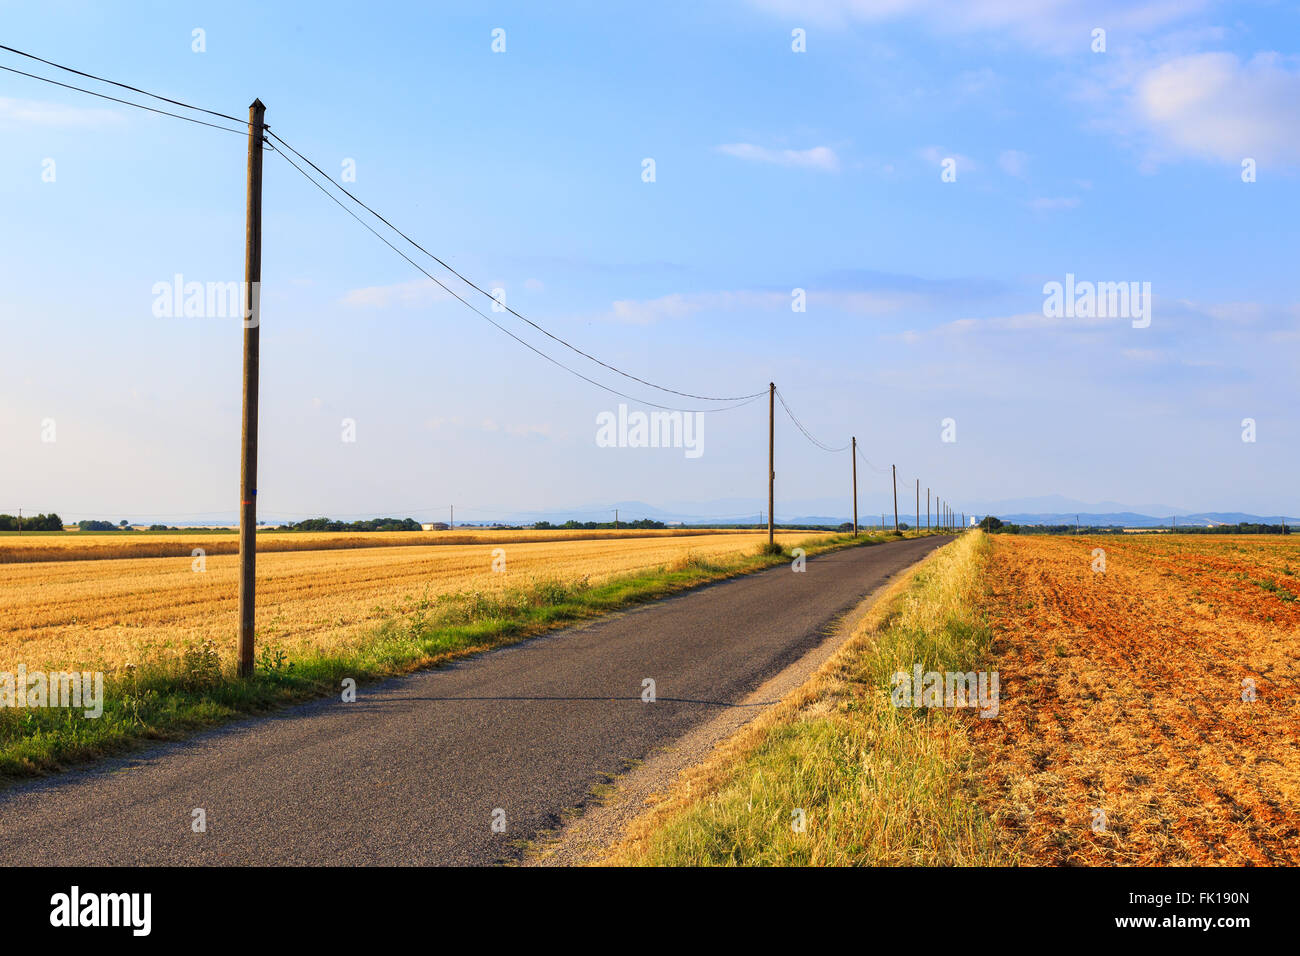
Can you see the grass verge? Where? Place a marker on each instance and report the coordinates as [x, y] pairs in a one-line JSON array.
[[170, 698], [872, 784]]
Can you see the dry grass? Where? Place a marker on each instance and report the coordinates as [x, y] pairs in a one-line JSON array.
[[1122, 695], [877, 786], [109, 612], [78, 546]]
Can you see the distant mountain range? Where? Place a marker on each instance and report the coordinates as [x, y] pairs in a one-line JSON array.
[[1130, 519], [1047, 510]]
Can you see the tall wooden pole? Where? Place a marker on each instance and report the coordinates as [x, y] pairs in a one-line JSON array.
[[854, 452], [894, 471], [248, 460], [918, 505], [927, 509], [771, 461]]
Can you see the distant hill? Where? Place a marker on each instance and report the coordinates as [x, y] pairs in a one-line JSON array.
[[1130, 519]]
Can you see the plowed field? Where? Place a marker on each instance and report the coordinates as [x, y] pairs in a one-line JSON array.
[[1150, 712]]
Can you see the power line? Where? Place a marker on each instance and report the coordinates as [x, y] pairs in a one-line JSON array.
[[477, 288], [873, 467], [740, 399], [488, 318], [807, 434], [133, 89], [139, 106]]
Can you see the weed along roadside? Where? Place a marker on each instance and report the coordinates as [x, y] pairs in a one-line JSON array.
[[169, 698], [842, 772]]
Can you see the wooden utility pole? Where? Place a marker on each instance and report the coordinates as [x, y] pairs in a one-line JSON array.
[[771, 462], [615, 519], [252, 323], [918, 506], [927, 509], [894, 471], [854, 452], [451, 524]]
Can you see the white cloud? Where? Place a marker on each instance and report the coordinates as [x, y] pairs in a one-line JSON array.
[[683, 305], [1053, 204], [1212, 104], [819, 157], [935, 156], [38, 113], [416, 292], [1058, 26], [1012, 162]]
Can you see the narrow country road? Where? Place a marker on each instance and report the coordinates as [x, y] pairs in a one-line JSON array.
[[417, 770]]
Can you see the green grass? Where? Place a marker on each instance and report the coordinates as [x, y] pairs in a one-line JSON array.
[[169, 700], [873, 784]]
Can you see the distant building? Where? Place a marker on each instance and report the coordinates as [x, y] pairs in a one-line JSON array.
[[434, 526]]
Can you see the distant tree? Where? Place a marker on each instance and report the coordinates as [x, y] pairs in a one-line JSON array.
[[87, 524], [990, 523], [42, 522]]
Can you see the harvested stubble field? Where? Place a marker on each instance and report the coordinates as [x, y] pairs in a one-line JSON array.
[[1123, 736], [109, 612], [85, 546]]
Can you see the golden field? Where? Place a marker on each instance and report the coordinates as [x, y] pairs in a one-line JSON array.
[[78, 546], [112, 611]]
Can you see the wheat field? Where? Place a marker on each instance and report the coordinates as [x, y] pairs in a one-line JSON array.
[[78, 546], [108, 612]]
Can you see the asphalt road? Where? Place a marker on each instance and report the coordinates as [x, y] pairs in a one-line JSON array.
[[418, 769]]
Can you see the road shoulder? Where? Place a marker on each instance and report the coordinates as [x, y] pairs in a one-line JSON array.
[[665, 777]]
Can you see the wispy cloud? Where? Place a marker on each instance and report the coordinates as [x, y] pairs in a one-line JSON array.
[[818, 157], [40, 113], [1215, 105], [1013, 162], [416, 292], [936, 157], [1058, 26], [1053, 203]]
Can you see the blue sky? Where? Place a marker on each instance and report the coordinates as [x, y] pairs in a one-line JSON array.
[[774, 170]]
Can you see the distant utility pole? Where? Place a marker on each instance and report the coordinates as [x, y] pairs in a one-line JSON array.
[[252, 323], [927, 509], [854, 453], [20, 522], [894, 471], [771, 461], [918, 504], [615, 519], [451, 524]]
